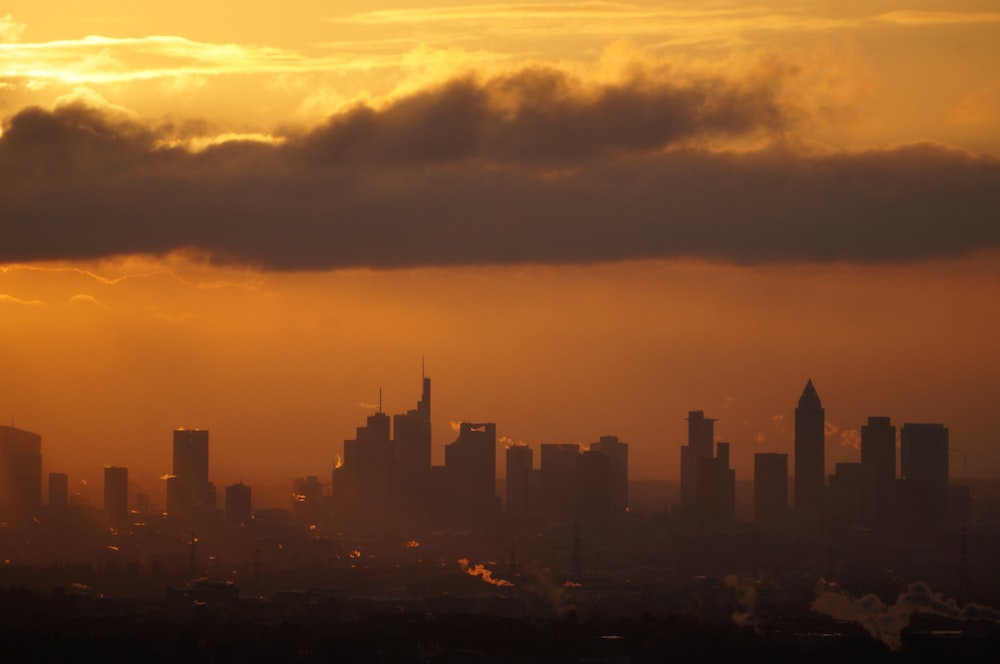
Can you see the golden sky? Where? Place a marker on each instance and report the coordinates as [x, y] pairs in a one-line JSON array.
[[590, 217]]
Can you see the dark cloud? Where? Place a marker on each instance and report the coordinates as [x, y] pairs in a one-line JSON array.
[[532, 167]]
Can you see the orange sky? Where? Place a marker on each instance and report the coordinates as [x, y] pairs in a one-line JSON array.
[[589, 217]]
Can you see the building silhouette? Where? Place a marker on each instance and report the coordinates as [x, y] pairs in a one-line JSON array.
[[520, 464], [878, 472], [412, 435], [715, 488], [810, 450], [189, 493], [20, 475], [924, 466], [116, 495], [58, 491], [386, 472], [617, 451], [239, 507], [557, 474], [593, 488], [701, 440], [770, 488], [470, 467]]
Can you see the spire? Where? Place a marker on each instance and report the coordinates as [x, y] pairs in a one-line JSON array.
[[809, 396]]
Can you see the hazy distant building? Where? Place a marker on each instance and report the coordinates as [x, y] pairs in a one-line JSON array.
[[412, 434], [239, 507], [520, 462], [617, 451], [924, 465], [116, 495], [58, 491], [189, 493], [810, 450], [770, 488], [20, 474], [701, 440], [593, 488], [878, 469], [558, 480], [470, 466], [715, 488]]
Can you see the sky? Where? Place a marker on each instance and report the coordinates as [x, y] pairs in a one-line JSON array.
[[583, 218]]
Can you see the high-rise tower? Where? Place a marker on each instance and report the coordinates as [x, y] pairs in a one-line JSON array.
[[878, 468], [189, 490], [701, 440], [810, 422]]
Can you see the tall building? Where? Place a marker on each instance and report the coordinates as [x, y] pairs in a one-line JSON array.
[[701, 440], [810, 450], [770, 488], [520, 462], [715, 488], [557, 475], [845, 495], [924, 465], [618, 452], [58, 491], [20, 474], [878, 470], [471, 468], [116, 495], [593, 488], [239, 508], [188, 490], [412, 434]]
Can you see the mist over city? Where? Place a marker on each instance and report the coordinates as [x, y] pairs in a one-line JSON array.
[[427, 331]]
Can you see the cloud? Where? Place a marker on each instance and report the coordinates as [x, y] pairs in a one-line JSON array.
[[10, 30], [533, 166], [10, 299]]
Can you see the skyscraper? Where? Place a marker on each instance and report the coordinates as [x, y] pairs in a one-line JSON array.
[[701, 439], [558, 479], [924, 464], [878, 470], [116, 495], [238, 504], [20, 474], [471, 468], [520, 461], [618, 451], [770, 487], [810, 429], [715, 488], [412, 434], [189, 490]]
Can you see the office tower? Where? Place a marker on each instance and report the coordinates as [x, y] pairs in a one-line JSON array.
[[20, 474], [701, 438], [770, 487], [924, 465], [878, 469], [58, 491], [470, 465], [239, 509], [715, 488], [116, 495], [810, 429], [520, 461], [593, 488], [307, 500], [618, 452], [558, 480], [188, 490], [412, 434]]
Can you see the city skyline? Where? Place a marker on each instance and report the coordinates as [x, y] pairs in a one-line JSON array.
[[590, 217], [383, 470]]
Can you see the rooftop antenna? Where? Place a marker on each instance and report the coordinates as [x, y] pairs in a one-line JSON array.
[[422, 374], [380, 399]]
